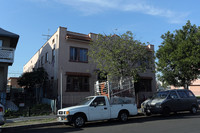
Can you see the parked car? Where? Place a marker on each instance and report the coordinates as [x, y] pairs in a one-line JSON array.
[[2, 119], [165, 102], [95, 108]]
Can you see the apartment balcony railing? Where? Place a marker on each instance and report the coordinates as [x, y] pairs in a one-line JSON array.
[[7, 55]]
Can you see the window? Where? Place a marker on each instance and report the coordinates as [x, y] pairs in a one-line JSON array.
[[77, 83], [190, 94], [46, 57], [99, 101], [42, 60], [78, 54], [143, 85], [173, 95], [182, 94], [53, 55], [1, 43]]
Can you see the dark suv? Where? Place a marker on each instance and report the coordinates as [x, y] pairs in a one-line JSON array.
[[164, 102]]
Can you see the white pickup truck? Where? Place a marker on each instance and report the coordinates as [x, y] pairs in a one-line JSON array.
[[95, 108]]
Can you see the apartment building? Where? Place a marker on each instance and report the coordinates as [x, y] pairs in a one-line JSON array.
[[71, 73], [8, 43], [64, 57]]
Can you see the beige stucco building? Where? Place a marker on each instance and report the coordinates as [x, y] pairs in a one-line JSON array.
[[8, 43], [64, 57]]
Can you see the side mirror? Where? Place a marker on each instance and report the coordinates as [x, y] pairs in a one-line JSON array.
[[94, 104]]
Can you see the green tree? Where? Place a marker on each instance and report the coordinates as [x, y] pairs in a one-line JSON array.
[[179, 56], [33, 80], [120, 55]]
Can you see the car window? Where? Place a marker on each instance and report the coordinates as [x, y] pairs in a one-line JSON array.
[[173, 95], [99, 101], [160, 95], [182, 94], [190, 94]]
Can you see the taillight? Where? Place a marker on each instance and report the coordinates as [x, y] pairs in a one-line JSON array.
[[1, 109]]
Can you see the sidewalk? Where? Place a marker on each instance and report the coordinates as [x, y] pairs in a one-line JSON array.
[[31, 121]]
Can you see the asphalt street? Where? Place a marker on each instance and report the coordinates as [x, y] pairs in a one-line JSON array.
[[176, 123]]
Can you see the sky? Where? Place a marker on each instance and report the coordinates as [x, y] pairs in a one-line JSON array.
[[147, 19]]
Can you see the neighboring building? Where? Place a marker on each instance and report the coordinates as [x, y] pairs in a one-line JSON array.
[[146, 85], [64, 57], [194, 87], [14, 92], [12, 81], [8, 43]]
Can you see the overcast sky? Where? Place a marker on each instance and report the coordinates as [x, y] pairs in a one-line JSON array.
[[147, 19]]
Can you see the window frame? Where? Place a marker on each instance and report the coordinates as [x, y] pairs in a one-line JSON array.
[[46, 57], [78, 55]]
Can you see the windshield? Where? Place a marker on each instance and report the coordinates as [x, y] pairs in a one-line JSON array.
[[160, 95], [86, 101]]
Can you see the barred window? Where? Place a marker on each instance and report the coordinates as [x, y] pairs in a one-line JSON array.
[[77, 84]]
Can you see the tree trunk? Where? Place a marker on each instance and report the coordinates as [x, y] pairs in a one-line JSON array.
[[186, 86]]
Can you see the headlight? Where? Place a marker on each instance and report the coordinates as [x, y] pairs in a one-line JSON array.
[[67, 112]]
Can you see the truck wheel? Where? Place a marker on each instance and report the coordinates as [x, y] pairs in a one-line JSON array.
[[123, 116], [193, 110], [78, 121]]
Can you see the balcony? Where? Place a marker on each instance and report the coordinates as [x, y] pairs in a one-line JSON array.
[[7, 55]]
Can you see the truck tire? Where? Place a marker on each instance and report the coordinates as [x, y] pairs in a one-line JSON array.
[[123, 116], [78, 121]]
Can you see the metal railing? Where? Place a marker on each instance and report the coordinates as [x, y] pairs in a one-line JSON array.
[[7, 55]]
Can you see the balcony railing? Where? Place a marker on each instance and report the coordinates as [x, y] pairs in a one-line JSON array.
[[7, 55]]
